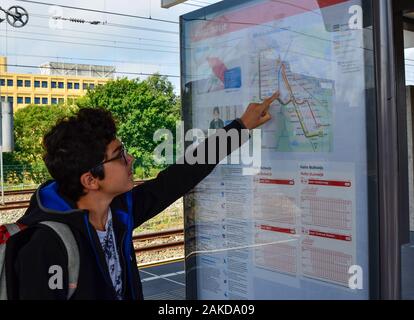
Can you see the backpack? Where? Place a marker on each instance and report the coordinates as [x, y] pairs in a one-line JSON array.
[[62, 230]]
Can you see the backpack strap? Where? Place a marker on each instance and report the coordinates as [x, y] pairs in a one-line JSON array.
[[72, 249]]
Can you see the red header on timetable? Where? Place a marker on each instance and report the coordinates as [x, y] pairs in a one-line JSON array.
[[330, 183], [330, 235], [277, 181], [277, 229], [256, 15]]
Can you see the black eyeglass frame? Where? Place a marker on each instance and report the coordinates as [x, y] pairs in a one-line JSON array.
[[122, 154]]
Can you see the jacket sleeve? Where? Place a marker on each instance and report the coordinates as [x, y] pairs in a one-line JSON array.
[[153, 196], [41, 268]]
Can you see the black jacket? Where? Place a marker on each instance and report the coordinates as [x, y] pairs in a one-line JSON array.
[[129, 210]]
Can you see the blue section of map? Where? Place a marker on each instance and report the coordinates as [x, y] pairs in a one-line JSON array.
[[232, 78]]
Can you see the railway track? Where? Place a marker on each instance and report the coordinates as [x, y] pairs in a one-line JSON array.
[[13, 205], [22, 204], [19, 192], [145, 242], [152, 236]]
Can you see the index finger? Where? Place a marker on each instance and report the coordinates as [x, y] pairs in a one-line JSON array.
[[268, 101]]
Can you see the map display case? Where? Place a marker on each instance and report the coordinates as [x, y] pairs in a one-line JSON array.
[[298, 225]]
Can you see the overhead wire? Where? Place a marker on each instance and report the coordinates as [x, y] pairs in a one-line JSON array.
[[100, 11], [96, 39], [116, 72], [57, 57], [93, 45]]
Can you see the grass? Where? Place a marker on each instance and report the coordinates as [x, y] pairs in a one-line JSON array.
[[170, 218]]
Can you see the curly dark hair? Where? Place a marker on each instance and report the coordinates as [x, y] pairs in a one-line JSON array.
[[75, 145]]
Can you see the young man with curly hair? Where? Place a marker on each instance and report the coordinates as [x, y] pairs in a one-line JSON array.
[[92, 192]]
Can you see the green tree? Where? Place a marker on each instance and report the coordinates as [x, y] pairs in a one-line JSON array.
[[30, 125], [140, 107]]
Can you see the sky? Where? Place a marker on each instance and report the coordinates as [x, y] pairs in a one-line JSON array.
[[131, 44]]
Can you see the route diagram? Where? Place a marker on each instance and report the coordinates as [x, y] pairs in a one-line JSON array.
[[304, 108]]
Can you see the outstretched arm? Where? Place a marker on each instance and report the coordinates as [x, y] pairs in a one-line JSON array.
[[155, 195]]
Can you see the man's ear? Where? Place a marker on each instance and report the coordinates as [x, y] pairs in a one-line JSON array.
[[89, 182]]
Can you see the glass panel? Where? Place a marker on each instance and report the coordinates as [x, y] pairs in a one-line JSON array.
[[292, 221], [407, 250]]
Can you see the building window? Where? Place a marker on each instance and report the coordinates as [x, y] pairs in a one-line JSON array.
[[91, 86], [27, 83], [27, 100], [10, 100], [37, 84], [61, 85], [10, 82], [54, 101], [76, 85], [19, 100], [44, 84], [44, 100], [19, 83], [70, 85], [3, 98], [61, 100], [2, 82], [53, 84], [37, 100]]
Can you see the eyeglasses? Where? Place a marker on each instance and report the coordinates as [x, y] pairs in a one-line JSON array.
[[122, 155]]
